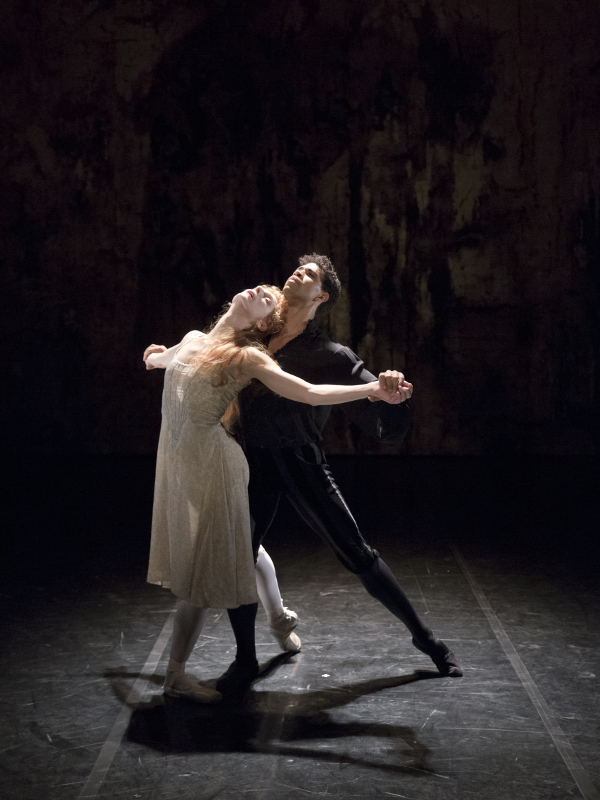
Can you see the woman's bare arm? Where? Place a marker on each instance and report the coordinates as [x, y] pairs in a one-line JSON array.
[[264, 369], [161, 360]]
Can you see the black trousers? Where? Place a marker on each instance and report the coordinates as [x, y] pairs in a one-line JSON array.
[[301, 474]]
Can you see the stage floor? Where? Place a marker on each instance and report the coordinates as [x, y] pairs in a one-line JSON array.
[[359, 713]]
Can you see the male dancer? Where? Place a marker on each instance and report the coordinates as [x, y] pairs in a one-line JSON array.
[[281, 440]]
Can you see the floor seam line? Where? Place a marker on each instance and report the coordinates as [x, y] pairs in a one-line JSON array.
[[564, 747], [113, 741]]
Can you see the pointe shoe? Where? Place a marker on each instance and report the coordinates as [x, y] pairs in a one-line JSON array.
[[441, 655], [282, 629], [177, 684], [238, 677]]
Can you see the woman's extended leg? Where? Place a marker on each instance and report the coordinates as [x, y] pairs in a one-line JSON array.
[[282, 621], [188, 624]]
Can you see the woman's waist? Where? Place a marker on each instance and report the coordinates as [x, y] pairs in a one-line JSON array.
[[200, 417]]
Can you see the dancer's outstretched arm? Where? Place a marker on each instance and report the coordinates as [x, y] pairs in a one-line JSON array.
[[257, 364], [157, 356], [263, 368]]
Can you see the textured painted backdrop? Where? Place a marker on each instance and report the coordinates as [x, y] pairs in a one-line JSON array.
[[159, 156]]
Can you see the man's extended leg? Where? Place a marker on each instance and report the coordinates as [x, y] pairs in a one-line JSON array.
[[304, 476], [381, 584]]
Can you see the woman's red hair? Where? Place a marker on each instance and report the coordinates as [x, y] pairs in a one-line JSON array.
[[229, 346]]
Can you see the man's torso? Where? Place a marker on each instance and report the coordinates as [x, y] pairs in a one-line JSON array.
[[269, 420]]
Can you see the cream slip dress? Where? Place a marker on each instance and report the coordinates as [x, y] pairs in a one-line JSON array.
[[201, 542]]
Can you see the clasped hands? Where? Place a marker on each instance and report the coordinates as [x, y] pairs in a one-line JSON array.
[[393, 382]]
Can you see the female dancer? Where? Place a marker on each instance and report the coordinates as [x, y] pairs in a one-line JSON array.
[[201, 544]]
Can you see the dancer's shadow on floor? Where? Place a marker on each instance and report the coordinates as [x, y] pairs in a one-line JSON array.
[[274, 722]]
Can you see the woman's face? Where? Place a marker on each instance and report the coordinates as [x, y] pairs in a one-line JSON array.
[[256, 303]]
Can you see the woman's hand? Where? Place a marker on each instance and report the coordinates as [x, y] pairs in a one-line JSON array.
[[378, 393], [405, 390], [393, 397], [153, 348]]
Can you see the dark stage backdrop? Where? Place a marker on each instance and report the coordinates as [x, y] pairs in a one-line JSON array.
[[158, 156]]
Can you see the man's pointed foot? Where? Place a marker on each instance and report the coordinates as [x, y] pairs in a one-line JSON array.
[[447, 663]]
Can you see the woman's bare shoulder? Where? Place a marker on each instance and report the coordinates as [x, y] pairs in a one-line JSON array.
[[192, 344], [248, 360]]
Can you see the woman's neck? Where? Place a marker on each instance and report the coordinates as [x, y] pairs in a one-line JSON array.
[[232, 319]]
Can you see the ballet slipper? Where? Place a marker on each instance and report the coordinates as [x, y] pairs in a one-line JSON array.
[[441, 655], [282, 629], [178, 684]]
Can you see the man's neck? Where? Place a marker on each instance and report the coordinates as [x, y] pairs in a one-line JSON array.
[[297, 318]]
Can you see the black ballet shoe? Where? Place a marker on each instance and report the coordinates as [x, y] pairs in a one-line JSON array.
[[447, 663], [238, 677]]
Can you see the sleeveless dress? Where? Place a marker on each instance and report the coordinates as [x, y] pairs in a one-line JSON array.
[[201, 542]]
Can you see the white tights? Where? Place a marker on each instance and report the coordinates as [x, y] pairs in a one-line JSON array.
[[187, 627], [189, 619], [267, 586]]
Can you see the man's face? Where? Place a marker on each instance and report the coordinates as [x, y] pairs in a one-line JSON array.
[[304, 285]]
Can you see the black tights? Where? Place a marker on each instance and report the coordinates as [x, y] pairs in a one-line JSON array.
[[242, 621], [381, 584], [302, 474]]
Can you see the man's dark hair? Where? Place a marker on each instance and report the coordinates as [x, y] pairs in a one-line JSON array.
[[329, 280]]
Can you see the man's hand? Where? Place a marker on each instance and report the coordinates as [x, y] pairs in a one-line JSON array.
[[393, 381], [153, 348], [383, 394]]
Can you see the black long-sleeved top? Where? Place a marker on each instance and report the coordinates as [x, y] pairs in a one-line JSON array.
[[268, 420]]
